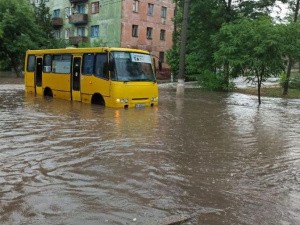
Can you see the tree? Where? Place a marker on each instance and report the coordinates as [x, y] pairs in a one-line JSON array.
[[206, 18], [43, 20], [254, 49], [20, 32], [21, 29], [292, 45]]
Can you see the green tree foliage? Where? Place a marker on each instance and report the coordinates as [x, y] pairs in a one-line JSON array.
[[19, 31], [206, 17], [23, 27], [293, 43], [96, 43], [254, 49], [43, 20]]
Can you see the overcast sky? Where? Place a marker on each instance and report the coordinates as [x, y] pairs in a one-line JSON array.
[[280, 12]]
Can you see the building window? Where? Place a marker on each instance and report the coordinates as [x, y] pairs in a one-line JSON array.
[[67, 33], [56, 13], [80, 31], [163, 12], [57, 34], [162, 57], [135, 6], [135, 30], [81, 9], [150, 9], [95, 31], [149, 32], [94, 7], [162, 35], [67, 12]]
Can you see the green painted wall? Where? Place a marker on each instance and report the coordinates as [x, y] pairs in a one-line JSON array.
[[108, 19]]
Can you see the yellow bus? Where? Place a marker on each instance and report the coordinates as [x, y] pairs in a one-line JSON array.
[[112, 77]]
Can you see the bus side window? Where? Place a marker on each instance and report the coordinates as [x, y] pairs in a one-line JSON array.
[[61, 63], [47, 63], [31, 63], [88, 64], [101, 66]]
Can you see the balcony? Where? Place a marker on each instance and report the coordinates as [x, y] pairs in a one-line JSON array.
[[78, 1], [77, 40], [57, 22], [78, 19]]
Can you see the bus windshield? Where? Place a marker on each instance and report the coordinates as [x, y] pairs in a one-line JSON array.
[[130, 66]]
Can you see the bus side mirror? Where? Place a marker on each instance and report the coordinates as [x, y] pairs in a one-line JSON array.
[[160, 65]]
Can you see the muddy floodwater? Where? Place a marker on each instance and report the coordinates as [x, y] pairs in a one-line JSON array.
[[214, 156]]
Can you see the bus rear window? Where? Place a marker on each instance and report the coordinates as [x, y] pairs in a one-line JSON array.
[[31, 63], [61, 63]]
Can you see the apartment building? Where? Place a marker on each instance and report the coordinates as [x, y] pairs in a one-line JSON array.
[[140, 24]]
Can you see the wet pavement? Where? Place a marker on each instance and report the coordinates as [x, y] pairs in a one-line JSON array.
[[217, 157]]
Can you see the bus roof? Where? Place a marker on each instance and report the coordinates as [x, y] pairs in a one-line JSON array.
[[83, 50]]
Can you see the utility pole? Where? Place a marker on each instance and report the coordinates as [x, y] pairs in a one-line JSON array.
[[180, 85]]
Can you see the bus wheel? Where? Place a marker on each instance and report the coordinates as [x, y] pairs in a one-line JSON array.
[[98, 99], [48, 92]]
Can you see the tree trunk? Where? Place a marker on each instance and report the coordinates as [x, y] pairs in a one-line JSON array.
[[180, 86], [16, 67], [290, 63], [288, 75], [258, 93], [226, 74], [259, 78]]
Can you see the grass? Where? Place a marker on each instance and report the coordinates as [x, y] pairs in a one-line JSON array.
[[271, 92]]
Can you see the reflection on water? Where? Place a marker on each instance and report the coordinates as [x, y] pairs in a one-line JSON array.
[[215, 156]]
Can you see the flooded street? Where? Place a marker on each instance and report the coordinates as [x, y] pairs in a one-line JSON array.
[[215, 156]]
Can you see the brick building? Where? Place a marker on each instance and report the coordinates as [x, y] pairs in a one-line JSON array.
[[140, 24]]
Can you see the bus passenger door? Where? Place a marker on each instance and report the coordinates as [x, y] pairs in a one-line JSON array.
[[75, 81], [39, 76]]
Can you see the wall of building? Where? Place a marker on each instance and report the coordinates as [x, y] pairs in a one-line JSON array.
[[115, 20], [143, 20], [108, 19]]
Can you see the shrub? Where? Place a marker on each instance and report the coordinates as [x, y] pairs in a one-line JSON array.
[[214, 81]]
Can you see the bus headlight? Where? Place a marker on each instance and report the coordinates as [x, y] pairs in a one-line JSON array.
[[122, 100], [154, 99]]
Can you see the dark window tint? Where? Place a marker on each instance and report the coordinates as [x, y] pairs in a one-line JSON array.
[[47, 63], [101, 67], [31, 63], [88, 64]]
